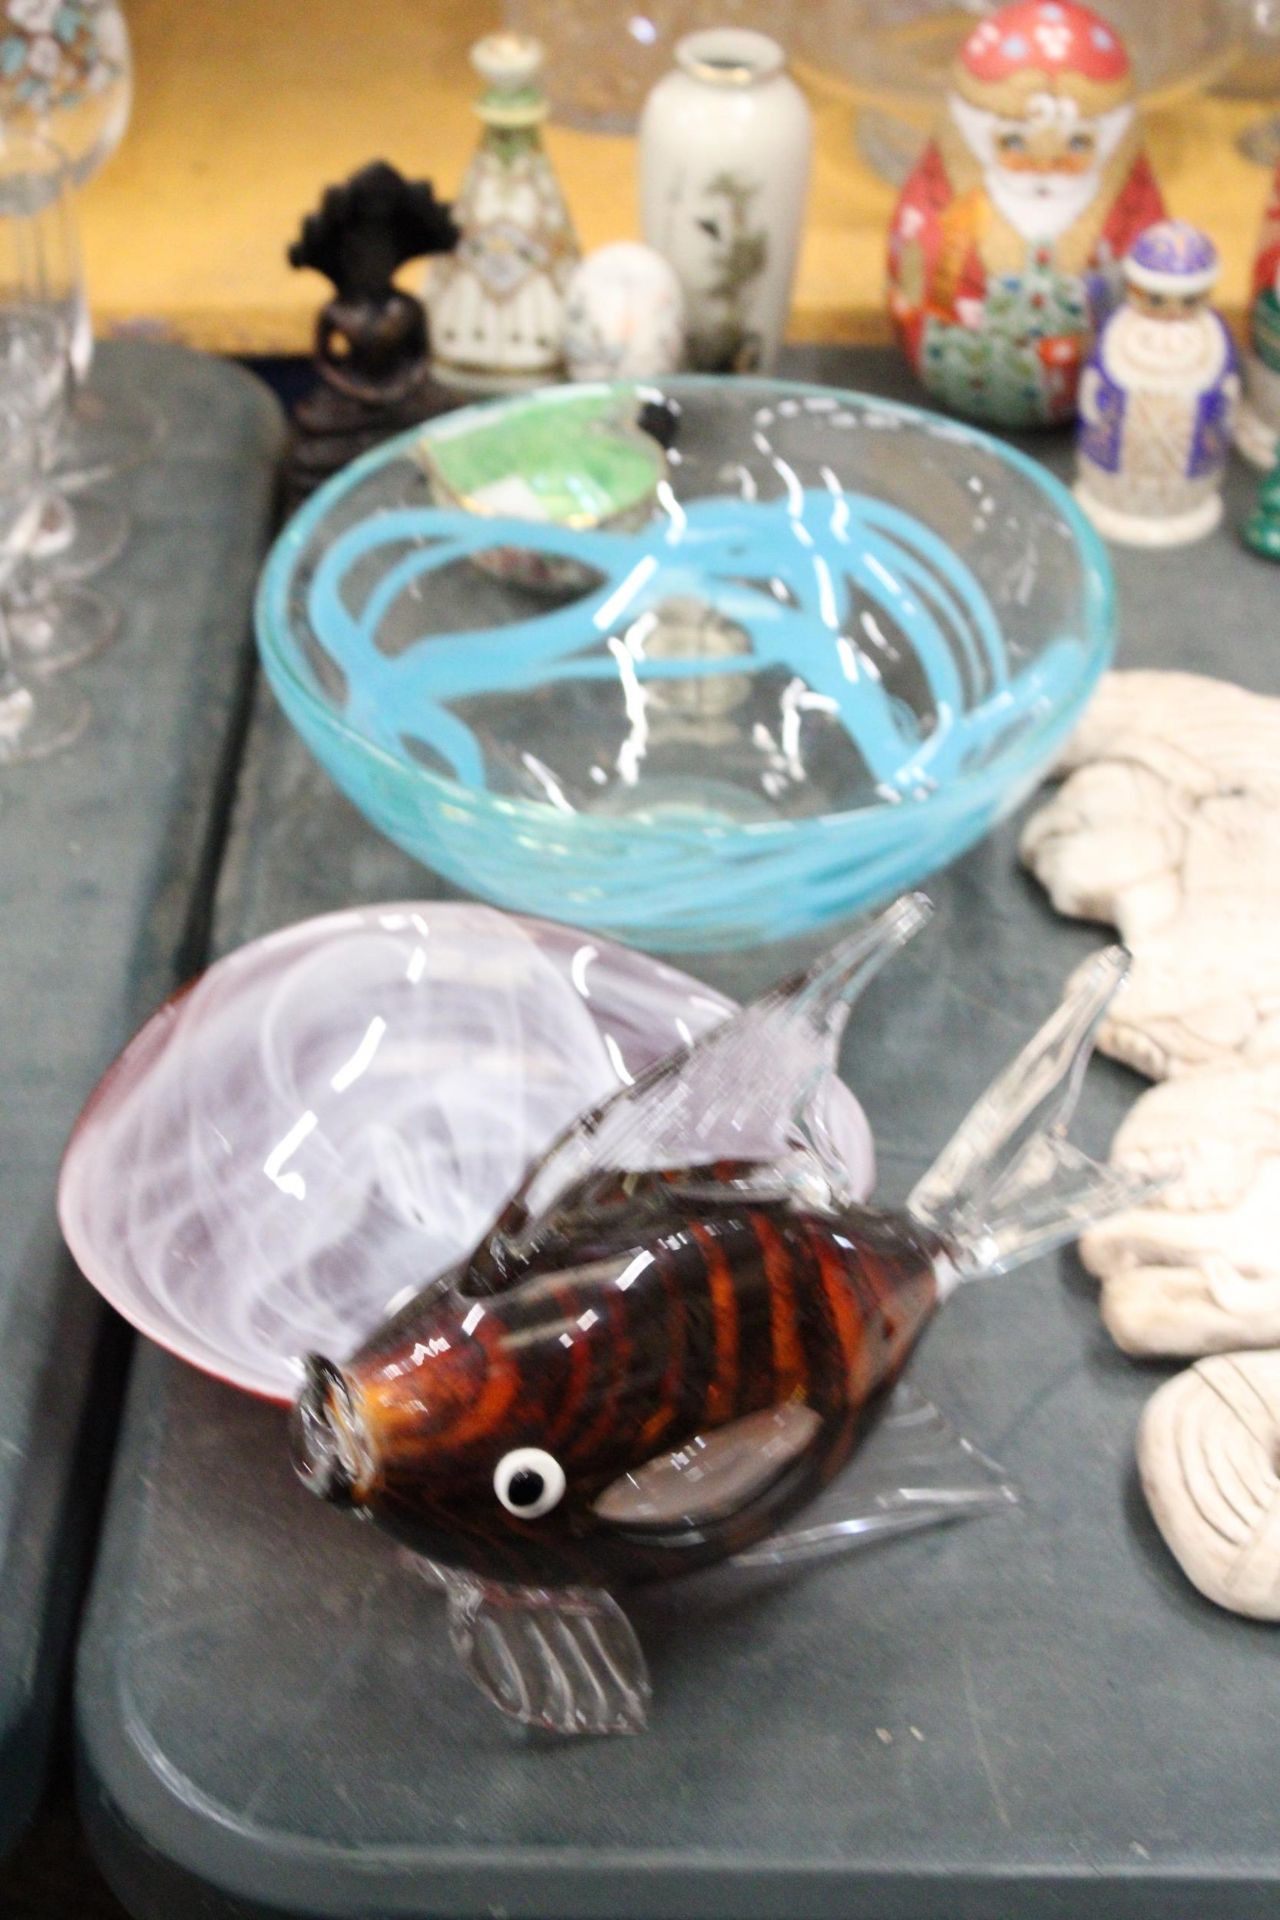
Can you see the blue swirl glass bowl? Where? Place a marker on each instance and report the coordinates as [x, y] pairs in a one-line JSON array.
[[723, 676]]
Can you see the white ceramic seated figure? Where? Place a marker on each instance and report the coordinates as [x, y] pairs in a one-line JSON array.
[[1196, 1269], [1209, 1456], [1158, 398], [1168, 826]]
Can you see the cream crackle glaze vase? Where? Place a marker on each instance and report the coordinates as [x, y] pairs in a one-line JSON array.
[[497, 302], [725, 146]]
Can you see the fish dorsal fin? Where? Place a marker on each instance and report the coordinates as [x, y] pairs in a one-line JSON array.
[[746, 1094]]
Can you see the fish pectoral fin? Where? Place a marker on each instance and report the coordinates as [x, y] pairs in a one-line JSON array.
[[714, 1476], [912, 1471], [563, 1659]]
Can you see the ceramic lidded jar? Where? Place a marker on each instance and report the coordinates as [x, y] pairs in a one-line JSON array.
[[1004, 249], [725, 146], [1258, 427], [1158, 397], [497, 302]]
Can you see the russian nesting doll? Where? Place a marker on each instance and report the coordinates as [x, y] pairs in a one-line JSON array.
[[1258, 428], [1005, 249], [1262, 528], [1158, 397]]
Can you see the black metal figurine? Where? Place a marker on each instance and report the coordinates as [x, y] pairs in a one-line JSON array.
[[371, 337]]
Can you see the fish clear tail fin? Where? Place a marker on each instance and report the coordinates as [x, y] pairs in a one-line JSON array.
[[1010, 1185]]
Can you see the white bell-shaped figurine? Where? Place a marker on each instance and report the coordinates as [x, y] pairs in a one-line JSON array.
[[1158, 397], [497, 302]]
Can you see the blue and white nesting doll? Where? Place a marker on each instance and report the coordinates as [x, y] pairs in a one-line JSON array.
[[1158, 397]]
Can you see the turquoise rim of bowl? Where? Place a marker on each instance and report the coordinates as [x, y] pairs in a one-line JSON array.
[[278, 651]]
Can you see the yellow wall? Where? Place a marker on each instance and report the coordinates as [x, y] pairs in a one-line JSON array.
[[245, 109]]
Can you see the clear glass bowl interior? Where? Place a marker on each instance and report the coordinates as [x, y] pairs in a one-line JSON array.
[[898, 53], [337, 1112], [602, 58], [893, 58], [1255, 74], [826, 604]]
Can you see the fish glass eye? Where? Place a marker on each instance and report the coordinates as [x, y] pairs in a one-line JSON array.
[[529, 1482]]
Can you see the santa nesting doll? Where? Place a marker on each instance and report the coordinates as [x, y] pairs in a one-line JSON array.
[[1005, 248]]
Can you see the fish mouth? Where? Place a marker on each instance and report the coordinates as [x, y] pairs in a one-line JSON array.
[[328, 1441]]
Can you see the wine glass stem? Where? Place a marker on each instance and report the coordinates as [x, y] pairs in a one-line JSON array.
[[15, 697], [81, 339], [1260, 141], [54, 531], [21, 582]]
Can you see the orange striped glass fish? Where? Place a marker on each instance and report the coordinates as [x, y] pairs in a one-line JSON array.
[[669, 1341]]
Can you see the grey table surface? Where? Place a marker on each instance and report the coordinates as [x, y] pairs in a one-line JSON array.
[[104, 853], [1032, 1715]]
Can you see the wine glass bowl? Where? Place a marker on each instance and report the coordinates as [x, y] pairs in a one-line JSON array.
[[54, 623], [66, 74], [36, 719]]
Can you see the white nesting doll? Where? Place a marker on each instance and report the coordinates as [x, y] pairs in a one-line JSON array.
[[1158, 397]]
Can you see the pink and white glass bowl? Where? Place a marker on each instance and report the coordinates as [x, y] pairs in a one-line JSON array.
[[335, 1113]]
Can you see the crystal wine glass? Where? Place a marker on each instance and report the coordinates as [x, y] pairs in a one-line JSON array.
[[37, 716], [56, 623], [66, 74]]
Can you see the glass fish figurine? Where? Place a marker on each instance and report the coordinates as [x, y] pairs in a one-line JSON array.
[[669, 1342]]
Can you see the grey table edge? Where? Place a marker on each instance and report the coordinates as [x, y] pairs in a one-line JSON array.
[[73, 1408], [208, 1859]]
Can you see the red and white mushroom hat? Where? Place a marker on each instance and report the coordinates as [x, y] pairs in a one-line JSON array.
[[1044, 47]]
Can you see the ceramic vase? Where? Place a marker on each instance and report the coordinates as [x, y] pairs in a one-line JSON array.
[[1158, 398], [725, 147], [1005, 248], [1258, 427], [497, 302]]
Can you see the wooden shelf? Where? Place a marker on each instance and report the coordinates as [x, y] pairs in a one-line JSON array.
[[245, 109]]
